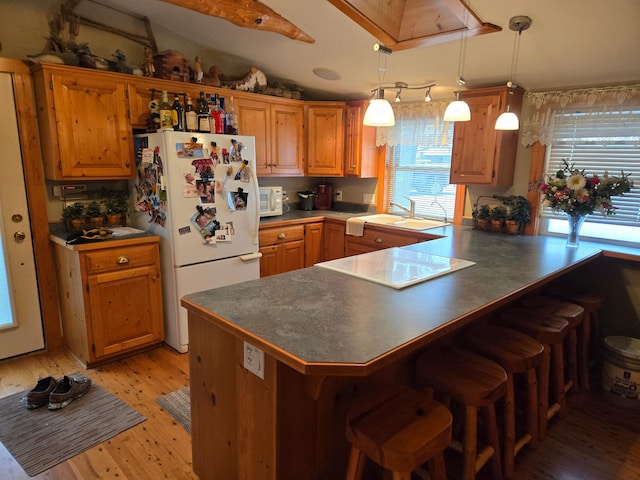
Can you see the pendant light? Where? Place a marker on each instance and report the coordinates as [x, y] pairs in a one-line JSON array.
[[458, 110], [379, 112], [508, 120]]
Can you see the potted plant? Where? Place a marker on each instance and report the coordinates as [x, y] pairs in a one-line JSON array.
[[74, 216], [117, 204], [519, 214], [94, 214], [497, 216], [482, 217]]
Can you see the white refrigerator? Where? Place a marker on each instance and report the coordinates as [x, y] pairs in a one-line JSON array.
[[199, 193]]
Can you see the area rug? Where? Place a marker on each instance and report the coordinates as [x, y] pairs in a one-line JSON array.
[[178, 406], [40, 439]]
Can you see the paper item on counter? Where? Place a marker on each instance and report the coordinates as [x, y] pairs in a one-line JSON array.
[[355, 226], [122, 231]]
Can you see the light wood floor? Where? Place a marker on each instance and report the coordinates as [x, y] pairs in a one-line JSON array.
[[596, 441]]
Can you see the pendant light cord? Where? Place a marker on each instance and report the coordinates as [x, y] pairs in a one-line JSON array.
[[514, 56]]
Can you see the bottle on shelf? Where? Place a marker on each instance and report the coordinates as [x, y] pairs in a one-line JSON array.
[[165, 110], [231, 122], [217, 116], [177, 111], [190, 117], [202, 112]]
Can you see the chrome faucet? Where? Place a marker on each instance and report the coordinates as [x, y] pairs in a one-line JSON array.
[[435, 202], [411, 211]]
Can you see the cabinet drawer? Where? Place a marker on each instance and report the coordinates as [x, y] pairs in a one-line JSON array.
[[119, 258], [377, 240], [274, 236]]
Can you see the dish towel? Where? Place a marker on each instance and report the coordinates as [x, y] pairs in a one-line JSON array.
[[355, 226]]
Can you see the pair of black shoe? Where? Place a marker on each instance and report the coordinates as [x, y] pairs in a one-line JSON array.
[[57, 393]]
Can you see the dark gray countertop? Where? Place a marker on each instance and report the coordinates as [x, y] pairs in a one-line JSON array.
[[314, 318]]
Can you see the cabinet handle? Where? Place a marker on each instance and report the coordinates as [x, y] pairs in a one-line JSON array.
[[378, 240], [122, 260], [282, 236]]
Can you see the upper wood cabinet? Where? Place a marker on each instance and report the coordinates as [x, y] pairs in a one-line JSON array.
[[325, 138], [481, 154], [84, 123], [361, 154], [279, 132]]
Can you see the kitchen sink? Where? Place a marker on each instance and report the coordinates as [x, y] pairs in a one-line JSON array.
[[404, 222]]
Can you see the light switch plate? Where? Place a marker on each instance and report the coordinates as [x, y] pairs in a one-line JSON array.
[[254, 360]]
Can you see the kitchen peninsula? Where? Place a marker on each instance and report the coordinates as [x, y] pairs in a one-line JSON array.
[[325, 336]]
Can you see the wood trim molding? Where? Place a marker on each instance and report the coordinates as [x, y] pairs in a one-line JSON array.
[[36, 198], [536, 170]]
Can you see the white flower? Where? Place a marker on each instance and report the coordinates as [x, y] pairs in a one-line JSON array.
[[576, 181]]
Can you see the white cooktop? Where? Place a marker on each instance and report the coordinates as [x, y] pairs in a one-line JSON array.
[[396, 267]]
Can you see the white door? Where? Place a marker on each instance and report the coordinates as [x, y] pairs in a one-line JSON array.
[[20, 318]]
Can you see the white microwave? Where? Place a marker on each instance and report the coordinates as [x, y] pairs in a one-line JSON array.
[[270, 201]]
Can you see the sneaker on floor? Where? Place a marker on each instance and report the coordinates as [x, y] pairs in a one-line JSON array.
[[39, 395], [67, 390]]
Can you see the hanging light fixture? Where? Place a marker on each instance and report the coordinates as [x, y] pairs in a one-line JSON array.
[[508, 120], [427, 96], [379, 112], [458, 110]]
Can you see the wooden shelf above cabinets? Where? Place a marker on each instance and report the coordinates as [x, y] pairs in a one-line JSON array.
[[481, 154]]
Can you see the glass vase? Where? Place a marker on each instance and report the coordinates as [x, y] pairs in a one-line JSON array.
[[575, 224]]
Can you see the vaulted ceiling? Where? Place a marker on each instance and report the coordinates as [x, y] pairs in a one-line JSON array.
[[572, 43]]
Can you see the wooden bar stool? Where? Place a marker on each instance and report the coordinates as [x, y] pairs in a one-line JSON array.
[[591, 302], [519, 354], [400, 429], [550, 331], [577, 365], [475, 383]]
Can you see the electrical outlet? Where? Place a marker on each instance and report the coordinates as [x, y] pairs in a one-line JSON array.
[[254, 360], [338, 195]]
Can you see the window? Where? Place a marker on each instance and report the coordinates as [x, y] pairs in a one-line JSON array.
[[599, 141], [418, 165]]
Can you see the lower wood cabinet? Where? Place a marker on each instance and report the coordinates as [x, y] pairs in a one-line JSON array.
[[282, 249], [313, 242], [110, 297], [333, 240], [377, 238]]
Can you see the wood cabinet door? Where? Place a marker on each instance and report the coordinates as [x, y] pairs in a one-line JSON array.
[[333, 241], [313, 243], [125, 308], [292, 255], [254, 118], [287, 139], [94, 133], [474, 142], [325, 140], [361, 158], [269, 262]]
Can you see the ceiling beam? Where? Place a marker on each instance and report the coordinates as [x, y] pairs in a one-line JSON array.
[[246, 13]]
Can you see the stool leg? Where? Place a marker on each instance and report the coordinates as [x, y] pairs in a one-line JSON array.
[[543, 392], [557, 352], [437, 467], [532, 411], [355, 468], [493, 438], [510, 428], [572, 363], [469, 450], [584, 351]]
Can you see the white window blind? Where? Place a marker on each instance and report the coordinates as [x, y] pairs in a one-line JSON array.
[[600, 141], [420, 169]]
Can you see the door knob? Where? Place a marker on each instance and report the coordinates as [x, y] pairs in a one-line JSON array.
[[19, 236]]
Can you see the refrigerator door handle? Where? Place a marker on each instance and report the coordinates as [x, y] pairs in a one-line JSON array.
[[250, 256]]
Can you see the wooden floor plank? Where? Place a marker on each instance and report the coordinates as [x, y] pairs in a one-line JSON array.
[[597, 440]]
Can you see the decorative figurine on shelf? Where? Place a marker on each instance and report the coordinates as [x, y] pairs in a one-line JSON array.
[[149, 67], [121, 66], [197, 70], [252, 81]]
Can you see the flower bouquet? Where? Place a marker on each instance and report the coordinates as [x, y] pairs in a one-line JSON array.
[[577, 194]]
